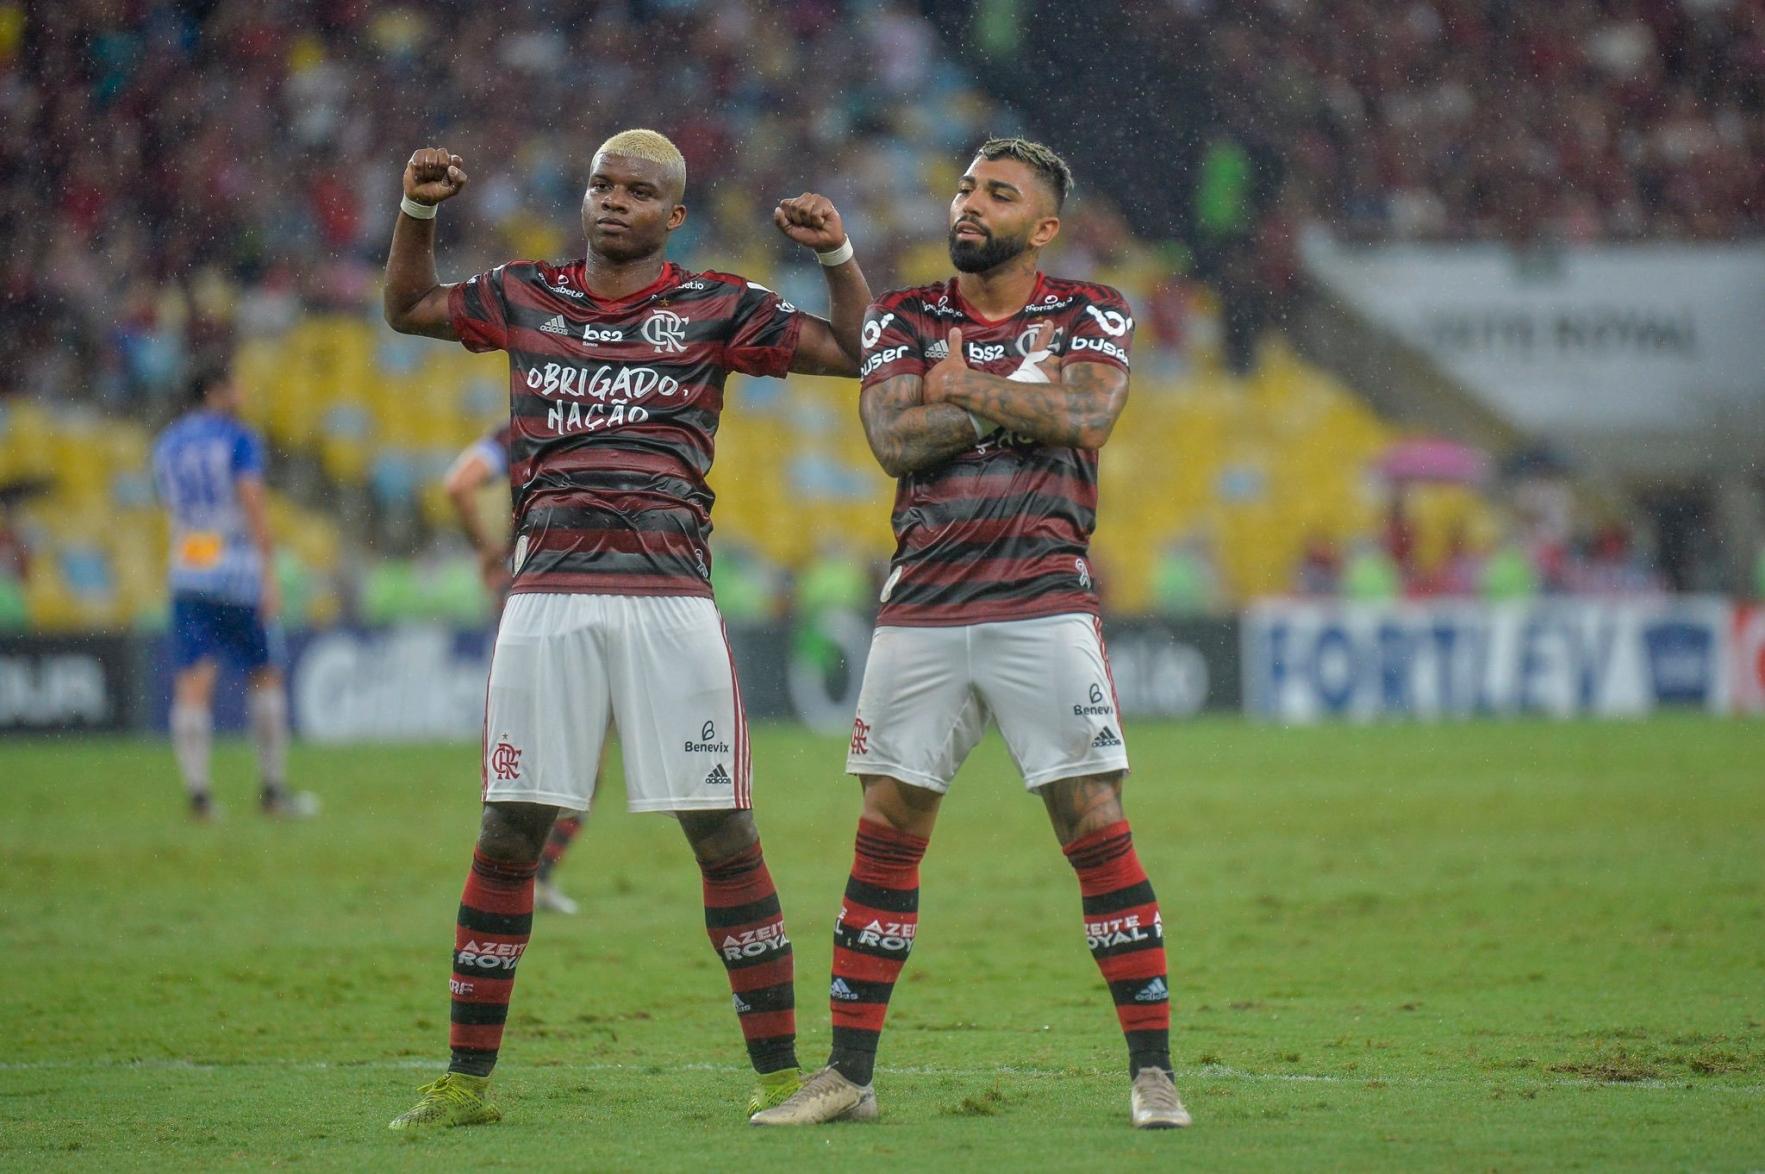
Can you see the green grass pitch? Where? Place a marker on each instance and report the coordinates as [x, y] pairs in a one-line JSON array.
[[1514, 946]]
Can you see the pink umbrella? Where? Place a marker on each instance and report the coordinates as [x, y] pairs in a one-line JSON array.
[[1434, 459]]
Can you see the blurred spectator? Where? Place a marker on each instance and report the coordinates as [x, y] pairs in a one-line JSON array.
[[1186, 579], [1320, 568]]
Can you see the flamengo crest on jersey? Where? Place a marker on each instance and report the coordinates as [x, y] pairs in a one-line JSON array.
[[1002, 531], [614, 408]]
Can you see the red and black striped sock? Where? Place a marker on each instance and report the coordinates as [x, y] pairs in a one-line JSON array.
[[564, 829], [871, 940], [746, 927], [496, 919], [1126, 936]]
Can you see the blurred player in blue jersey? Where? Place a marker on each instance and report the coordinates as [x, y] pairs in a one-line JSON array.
[[209, 470], [479, 463]]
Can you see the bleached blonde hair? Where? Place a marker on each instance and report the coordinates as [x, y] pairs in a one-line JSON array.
[[651, 145]]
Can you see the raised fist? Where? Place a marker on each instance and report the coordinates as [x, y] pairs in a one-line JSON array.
[[433, 175], [811, 221]]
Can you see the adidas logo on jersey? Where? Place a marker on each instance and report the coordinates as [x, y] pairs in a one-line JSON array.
[[556, 325], [1105, 738], [718, 777], [839, 990], [939, 349], [1153, 992]]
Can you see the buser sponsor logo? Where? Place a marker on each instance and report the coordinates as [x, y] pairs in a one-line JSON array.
[[1101, 345], [886, 355], [872, 333], [752, 943]]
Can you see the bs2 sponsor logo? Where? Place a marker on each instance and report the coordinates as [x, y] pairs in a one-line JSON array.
[[593, 333], [985, 352]]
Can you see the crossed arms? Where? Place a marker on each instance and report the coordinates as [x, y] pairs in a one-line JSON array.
[[916, 421]]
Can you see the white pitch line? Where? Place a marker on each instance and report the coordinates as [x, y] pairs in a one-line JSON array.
[[1220, 1072]]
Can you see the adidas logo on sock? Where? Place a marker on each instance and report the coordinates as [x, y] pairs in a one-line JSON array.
[[718, 777], [1153, 992], [839, 990], [556, 326], [742, 1006], [1105, 738]]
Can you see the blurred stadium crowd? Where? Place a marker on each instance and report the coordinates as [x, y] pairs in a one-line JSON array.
[[1579, 120], [183, 180]]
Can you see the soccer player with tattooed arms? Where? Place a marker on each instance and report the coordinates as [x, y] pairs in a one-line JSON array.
[[989, 396], [617, 364]]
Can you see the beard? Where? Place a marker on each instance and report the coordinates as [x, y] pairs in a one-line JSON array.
[[971, 256]]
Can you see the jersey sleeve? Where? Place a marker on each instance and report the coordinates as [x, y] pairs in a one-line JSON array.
[[766, 329], [891, 346], [479, 313], [248, 455], [1102, 329]]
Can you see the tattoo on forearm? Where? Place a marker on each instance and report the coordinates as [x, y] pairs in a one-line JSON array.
[[1080, 411], [907, 435]]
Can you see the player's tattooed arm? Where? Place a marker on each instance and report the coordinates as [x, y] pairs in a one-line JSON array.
[[827, 346], [907, 434], [1078, 409], [413, 298]]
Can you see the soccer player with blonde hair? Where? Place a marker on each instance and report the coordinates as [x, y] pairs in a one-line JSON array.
[[617, 365]]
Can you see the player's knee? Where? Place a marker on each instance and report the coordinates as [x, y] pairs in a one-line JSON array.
[[718, 835], [514, 837], [899, 806], [1078, 807]]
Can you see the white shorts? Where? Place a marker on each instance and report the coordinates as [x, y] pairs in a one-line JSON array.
[[928, 693], [658, 667]]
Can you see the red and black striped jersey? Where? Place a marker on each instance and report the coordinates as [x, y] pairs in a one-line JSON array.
[[1003, 530], [613, 409]]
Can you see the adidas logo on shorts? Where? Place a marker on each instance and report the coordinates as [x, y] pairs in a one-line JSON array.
[[840, 990], [1153, 992], [556, 326], [718, 777], [1105, 738]]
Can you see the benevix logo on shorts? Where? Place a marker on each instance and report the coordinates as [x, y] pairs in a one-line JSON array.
[[752, 943], [1099, 706], [1122, 931], [490, 955], [707, 743]]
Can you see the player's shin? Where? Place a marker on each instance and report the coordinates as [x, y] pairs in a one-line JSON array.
[[268, 705], [1126, 937], [495, 922], [746, 927], [871, 940], [192, 734], [557, 842]]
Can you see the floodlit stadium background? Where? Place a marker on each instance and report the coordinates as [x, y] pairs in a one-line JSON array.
[[1451, 311]]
